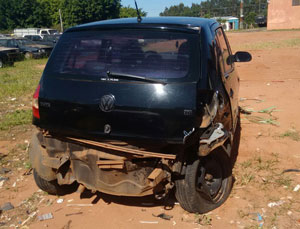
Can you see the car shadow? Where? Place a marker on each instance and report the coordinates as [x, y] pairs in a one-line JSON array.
[[146, 201]]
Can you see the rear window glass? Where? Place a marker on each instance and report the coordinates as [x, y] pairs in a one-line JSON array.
[[151, 54]]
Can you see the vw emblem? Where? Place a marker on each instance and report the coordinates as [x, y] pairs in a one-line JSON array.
[[107, 103]]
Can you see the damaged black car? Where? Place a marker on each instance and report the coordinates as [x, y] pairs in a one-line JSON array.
[[139, 107]]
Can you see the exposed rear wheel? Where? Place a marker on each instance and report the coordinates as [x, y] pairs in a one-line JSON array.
[[52, 187], [206, 184]]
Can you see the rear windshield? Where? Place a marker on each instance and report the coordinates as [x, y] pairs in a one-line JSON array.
[[151, 54]]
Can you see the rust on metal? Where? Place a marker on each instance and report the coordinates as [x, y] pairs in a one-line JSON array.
[[123, 149]]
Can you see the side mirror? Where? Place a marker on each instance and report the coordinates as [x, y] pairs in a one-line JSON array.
[[242, 57]]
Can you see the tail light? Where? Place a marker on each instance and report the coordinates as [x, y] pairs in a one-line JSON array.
[[35, 103]]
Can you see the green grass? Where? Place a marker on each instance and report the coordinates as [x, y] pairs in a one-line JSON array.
[[292, 134], [290, 43], [21, 79], [16, 118]]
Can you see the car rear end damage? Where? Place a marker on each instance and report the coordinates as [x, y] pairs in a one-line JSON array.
[[134, 109], [111, 167]]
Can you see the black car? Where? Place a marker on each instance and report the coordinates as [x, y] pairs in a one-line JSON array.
[[27, 47], [136, 108], [261, 21], [8, 56], [49, 40]]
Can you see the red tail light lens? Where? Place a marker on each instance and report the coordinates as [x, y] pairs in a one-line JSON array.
[[35, 103]]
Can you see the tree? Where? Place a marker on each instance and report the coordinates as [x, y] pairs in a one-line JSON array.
[[51, 8], [218, 8], [250, 18], [22, 13], [79, 12], [128, 11]]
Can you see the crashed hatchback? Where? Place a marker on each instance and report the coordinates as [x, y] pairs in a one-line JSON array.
[[139, 107]]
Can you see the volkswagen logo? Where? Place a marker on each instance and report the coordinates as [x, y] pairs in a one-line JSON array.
[[107, 103]]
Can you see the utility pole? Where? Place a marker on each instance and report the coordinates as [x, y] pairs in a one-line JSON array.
[[241, 14], [61, 22], [259, 7]]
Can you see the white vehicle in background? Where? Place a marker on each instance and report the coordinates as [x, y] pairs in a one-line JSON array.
[[35, 31]]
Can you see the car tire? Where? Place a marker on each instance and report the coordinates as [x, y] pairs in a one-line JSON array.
[[195, 193], [52, 187], [28, 55], [1, 64]]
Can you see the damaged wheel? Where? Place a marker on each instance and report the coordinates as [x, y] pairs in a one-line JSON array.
[[52, 187], [206, 184]]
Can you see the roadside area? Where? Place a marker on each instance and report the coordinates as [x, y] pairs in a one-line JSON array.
[[266, 192]]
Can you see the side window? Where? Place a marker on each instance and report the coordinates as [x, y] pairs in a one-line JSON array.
[[10, 43], [3, 43], [224, 50]]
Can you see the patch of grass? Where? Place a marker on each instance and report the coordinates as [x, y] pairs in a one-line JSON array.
[[290, 43], [283, 180], [266, 165], [16, 118], [246, 164], [203, 220], [292, 134], [21, 79], [27, 165], [246, 178]]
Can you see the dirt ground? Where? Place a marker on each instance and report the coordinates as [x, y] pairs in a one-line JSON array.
[[266, 171]]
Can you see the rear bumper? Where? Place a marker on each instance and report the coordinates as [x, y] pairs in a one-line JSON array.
[[106, 169]]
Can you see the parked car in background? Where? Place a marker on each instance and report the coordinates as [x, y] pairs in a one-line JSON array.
[[35, 31], [137, 107], [261, 21], [49, 40], [8, 56], [27, 47]]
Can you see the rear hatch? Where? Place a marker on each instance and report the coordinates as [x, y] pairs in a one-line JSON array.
[[150, 92]]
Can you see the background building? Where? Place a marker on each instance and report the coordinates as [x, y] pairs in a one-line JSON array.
[[284, 14], [229, 22]]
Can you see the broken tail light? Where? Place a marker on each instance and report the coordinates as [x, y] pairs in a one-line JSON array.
[[35, 103]]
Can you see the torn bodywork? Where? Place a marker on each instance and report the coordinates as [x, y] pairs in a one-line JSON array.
[[108, 167]]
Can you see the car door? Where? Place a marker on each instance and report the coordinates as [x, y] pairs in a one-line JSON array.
[[229, 75]]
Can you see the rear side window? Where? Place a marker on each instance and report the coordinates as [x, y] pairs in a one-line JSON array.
[[224, 49], [150, 54]]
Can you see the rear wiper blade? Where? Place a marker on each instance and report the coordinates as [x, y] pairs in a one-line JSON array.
[[133, 77]]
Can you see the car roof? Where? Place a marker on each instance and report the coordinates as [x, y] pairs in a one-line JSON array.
[[187, 22]]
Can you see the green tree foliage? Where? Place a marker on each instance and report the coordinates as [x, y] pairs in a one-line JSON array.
[[45, 13], [219, 8], [22, 13], [51, 8], [78, 11], [128, 11], [250, 18]]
